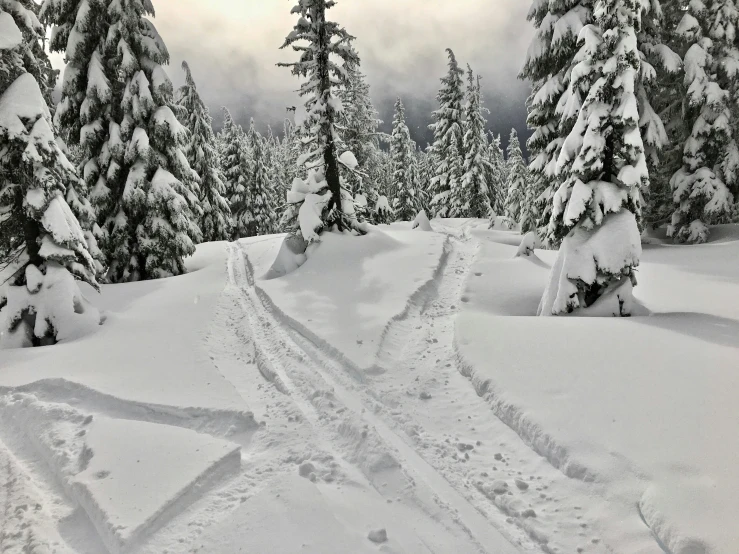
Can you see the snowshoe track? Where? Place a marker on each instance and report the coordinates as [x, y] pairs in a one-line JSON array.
[[324, 386]]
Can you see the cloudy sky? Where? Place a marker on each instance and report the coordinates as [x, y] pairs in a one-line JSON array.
[[232, 47]]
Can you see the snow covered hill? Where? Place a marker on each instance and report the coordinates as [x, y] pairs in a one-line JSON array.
[[405, 401]]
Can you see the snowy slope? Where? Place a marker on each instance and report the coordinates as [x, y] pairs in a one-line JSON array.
[[404, 401], [645, 406]]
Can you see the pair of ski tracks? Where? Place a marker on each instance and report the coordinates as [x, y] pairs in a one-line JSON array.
[[299, 369]]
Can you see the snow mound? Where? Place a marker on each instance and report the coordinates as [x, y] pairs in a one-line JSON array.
[[643, 406], [422, 222]]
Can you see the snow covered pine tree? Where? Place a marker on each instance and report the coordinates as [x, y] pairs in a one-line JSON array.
[[448, 148], [201, 154], [596, 208], [552, 112], [472, 197], [401, 148], [320, 202], [42, 246], [517, 180], [702, 188], [117, 104]]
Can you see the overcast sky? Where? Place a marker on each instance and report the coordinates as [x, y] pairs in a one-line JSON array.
[[232, 47]]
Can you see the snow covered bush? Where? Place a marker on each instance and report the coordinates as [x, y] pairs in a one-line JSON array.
[[596, 208], [117, 104], [42, 246], [321, 44]]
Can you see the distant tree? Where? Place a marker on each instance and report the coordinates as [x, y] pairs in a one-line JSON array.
[[448, 147], [497, 175], [402, 148], [596, 208], [360, 123], [518, 180], [326, 53], [203, 158], [472, 197]]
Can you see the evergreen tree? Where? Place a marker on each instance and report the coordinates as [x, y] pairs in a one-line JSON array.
[[232, 138], [660, 93], [203, 158], [321, 44], [596, 208], [517, 179], [553, 105], [117, 104], [472, 197], [360, 134], [704, 186], [40, 237], [448, 147], [254, 212], [401, 150], [497, 175]]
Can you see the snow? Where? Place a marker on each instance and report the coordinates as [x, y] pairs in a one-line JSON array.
[[650, 420], [22, 100], [394, 387], [10, 35], [348, 160]]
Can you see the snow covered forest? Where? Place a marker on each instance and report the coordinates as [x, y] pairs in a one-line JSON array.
[[217, 336]]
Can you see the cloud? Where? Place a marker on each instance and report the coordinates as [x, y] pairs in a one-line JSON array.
[[233, 48]]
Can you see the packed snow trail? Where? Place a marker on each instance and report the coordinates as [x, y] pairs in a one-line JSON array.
[[317, 383], [423, 408]]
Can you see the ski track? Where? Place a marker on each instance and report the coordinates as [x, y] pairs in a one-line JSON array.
[[540, 508], [412, 425], [324, 388]]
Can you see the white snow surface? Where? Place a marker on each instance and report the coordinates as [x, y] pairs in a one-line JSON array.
[[274, 401]]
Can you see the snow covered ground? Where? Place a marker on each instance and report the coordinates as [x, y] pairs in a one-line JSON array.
[[406, 400]]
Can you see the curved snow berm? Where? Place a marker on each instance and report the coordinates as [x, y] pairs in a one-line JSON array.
[[351, 289], [644, 407]]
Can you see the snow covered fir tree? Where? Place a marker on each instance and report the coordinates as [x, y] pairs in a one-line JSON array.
[[117, 105], [402, 148], [472, 196], [320, 201], [597, 207], [203, 158], [447, 156], [517, 182], [43, 249]]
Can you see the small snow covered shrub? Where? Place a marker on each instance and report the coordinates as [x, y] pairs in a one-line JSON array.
[[43, 248]]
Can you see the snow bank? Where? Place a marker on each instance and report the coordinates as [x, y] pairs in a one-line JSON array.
[[350, 288], [152, 334], [644, 406]]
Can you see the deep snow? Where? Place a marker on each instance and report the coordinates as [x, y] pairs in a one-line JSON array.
[[408, 388]]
